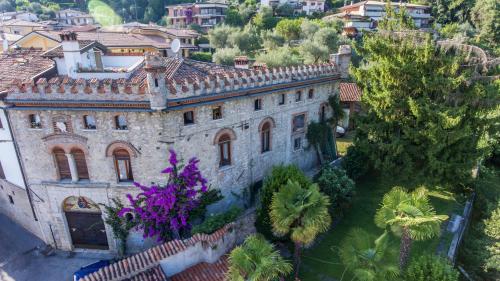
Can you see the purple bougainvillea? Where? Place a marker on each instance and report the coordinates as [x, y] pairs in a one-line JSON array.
[[163, 211]]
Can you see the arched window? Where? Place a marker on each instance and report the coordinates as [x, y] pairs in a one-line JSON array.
[[224, 150], [123, 166], [322, 113], [62, 164], [265, 137], [81, 164]]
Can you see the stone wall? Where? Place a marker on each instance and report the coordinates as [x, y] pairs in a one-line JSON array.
[[178, 255], [19, 209]]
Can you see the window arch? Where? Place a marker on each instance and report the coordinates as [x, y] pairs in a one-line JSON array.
[[224, 150], [223, 140], [62, 163], [265, 130], [81, 163], [123, 166]]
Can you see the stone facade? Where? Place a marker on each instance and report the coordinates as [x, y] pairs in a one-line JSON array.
[[151, 133]]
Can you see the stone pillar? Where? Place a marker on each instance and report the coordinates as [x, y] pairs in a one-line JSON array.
[[72, 167]]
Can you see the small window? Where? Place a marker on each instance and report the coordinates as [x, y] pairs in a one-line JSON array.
[[188, 117], [217, 113], [322, 113], [2, 174], [297, 143], [265, 138], [298, 122], [310, 94], [224, 150], [89, 122], [156, 82], [123, 165], [1, 126], [35, 121], [121, 122], [282, 99], [11, 200], [258, 104], [298, 96]]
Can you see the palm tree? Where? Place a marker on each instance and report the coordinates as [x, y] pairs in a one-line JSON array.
[[256, 260], [409, 215], [337, 115], [301, 212], [368, 258]]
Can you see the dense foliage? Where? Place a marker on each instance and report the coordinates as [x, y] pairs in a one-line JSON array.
[[201, 56], [335, 183], [431, 268], [480, 251], [163, 211], [120, 225], [278, 177], [355, 163], [300, 211], [216, 222], [423, 114], [256, 260], [367, 257]]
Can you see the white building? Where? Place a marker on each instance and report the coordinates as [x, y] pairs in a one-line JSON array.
[[74, 17], [26, 16], [366, 14], [309, 7]]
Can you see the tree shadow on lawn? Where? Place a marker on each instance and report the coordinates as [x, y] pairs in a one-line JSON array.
[[321, 261]]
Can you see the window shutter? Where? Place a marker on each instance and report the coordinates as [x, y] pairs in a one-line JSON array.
[[62, 164], [81, 164]]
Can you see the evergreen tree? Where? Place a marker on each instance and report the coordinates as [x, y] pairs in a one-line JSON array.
[[424, 114]]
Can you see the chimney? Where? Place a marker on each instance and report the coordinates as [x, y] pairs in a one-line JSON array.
[[241, 62], [71, 50], [155, 78]]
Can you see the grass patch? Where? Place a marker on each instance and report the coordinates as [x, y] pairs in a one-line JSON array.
[[344, 142], [321, 262]]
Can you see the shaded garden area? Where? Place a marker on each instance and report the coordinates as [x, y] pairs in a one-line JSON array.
[[322, 261]]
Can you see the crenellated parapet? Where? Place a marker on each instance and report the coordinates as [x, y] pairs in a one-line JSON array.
[[65, 88], [162, 80]]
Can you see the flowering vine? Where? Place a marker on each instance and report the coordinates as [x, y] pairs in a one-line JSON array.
[[163, 211]]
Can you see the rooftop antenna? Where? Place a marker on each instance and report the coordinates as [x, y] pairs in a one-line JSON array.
[[175, 47]]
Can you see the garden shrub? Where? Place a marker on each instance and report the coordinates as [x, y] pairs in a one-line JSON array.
[[216, 222], [201, 56], [335, 183], [355, 162], [431, 268], [279, 176]]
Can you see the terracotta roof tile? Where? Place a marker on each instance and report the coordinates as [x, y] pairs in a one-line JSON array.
[[22, 65], [349, 92], [204, 272]]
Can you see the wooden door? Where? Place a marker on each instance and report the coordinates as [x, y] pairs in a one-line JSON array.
[[87, 230]]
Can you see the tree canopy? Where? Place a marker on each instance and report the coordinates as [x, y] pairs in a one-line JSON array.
[[424, 114]]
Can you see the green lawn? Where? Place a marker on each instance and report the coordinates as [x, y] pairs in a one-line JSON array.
[[344, 142], [321, 262]]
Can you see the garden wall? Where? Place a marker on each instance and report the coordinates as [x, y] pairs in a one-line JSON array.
[[178, 255]]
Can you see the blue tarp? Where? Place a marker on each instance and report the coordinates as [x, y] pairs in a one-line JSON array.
[[86, 270]]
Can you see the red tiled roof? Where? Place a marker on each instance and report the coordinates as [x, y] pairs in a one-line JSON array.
[[204, 272], [22, 65], [349, 92], [153, 274], [137, 265]]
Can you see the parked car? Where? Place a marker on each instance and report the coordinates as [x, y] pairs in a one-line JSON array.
[[340, 132]]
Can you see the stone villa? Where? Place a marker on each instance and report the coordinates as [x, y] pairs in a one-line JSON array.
[[92, 124]]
